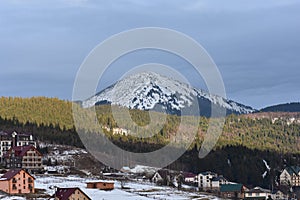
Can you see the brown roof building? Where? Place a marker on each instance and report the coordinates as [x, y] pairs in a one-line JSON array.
[[102, 185], [17, 181], [26, 157], [70, 194]]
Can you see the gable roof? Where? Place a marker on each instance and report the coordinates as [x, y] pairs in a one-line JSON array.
[[293, 170], [65, 193], [12, 173], [20, 151], [231, 187]]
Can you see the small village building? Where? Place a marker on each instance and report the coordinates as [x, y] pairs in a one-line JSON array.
[[10, 139], [102, 185], [190, 177], [217, 181], [17, 181], [257, 193], [25, 157], [162, 177], [205, 180], [70, 194], [279, 195], [290, 176], [232, 191]]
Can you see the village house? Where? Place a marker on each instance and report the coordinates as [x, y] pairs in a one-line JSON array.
[[70, 194], [8, 140], [102, 185], [190, 177], [232, 191], [205, 180], [290, 176], [26, 157], [17, 181], [279, 195], [217, 181], [210, 181], [162, 177], [257, 193]]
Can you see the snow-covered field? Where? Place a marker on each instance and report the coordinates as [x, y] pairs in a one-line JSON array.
[[135, 191]]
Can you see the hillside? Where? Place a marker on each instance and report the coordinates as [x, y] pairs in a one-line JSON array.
[[251, 131], [246, 139], [287, 107]]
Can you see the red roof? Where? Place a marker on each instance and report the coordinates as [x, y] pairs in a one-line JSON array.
[[12, 173], [20, 151], [65, 193]]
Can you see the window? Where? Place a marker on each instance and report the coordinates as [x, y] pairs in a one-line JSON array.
[[14, 187]]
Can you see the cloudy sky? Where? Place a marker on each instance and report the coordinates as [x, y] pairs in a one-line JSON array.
[[255, 44]]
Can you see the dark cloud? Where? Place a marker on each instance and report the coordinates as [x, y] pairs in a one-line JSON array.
[[255, 43]]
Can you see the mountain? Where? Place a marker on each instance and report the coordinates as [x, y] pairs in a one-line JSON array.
[[151, 91], [287, 107]]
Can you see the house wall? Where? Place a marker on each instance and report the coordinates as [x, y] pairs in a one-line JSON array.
[[105, 186], [204, 180], [78, 195], [189, 179], [215, 184], [101, 185], [20, 184], [295, 180], [257, 195], [4, 186], [232, 195]]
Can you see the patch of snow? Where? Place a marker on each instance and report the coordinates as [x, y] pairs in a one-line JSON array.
[[264, 174], [267, 166]]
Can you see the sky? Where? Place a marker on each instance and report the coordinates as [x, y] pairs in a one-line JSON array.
[[255, 44]]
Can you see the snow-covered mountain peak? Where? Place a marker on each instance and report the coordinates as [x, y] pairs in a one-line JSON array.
[[146, 90]]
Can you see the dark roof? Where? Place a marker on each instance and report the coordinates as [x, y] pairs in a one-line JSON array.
[[208, 173], [65, 193], [20, 151], [189, 175], [293, 170], [12, 173], [231, 187], [218, 178]]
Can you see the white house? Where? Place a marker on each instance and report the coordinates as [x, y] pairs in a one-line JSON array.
[[205, 180], [217, 181], [290, 176], [8, 140], [257, 193]]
